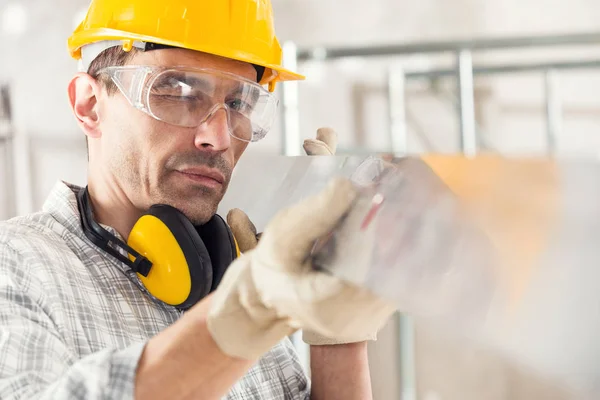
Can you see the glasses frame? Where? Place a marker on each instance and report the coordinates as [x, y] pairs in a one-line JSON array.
[[144, 77]]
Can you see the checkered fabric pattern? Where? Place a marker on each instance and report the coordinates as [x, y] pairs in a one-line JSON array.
[[74, 321]]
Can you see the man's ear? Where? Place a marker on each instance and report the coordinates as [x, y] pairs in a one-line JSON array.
[[83, 94]]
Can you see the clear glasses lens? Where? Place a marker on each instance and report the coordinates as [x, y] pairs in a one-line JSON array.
[[189, 97]]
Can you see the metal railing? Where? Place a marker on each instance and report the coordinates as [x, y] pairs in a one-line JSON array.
[[6, 150], [463, 72]]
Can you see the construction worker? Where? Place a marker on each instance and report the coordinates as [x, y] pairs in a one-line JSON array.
[[132, 286]]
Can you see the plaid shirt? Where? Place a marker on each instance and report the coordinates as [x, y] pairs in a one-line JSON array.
[[74, 321]]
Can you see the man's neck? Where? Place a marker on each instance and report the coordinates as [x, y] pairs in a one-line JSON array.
[[112, 207]]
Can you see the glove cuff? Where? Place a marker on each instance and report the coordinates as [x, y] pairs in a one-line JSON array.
[[314, 339]]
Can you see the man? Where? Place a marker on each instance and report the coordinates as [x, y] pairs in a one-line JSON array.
[[169, 97]]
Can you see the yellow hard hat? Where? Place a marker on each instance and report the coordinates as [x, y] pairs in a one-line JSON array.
[[241, 30]]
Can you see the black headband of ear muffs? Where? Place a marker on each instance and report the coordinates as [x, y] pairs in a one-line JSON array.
[[260, 70], [103, 239]]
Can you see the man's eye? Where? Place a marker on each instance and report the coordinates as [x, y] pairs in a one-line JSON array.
[[239, 105]]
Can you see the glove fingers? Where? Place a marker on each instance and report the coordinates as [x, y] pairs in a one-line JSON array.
[[325, 143], [243, 229], [314, 147], [329, 137], [294, 230]]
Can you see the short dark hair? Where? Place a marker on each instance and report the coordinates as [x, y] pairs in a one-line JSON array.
[[116, 57], [111, 57]]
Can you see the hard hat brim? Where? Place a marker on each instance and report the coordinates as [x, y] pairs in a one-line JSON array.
[[273, 73]]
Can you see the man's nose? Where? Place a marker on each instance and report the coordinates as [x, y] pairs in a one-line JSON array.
[[213, 133]]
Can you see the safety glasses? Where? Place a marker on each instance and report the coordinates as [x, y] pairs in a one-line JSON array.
[[189, 97]]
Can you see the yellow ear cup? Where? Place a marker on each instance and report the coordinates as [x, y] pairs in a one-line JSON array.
[[237, 247], [169, 279]]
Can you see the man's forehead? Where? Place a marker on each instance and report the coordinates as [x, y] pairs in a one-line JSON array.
[[194, 59]]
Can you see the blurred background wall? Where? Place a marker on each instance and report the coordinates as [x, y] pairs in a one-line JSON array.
[[351, 95]]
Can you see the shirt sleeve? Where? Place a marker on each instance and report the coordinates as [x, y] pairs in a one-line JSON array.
[[35, 361], [299, 382]]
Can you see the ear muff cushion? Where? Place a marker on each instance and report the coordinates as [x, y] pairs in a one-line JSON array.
[[220, 244], [197, 263]]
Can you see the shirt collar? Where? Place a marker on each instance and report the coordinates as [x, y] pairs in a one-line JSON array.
[[61, 203]]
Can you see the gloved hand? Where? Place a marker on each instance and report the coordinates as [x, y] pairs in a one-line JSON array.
[[272, 290], [247, 237], [324, 145], [243, 229]]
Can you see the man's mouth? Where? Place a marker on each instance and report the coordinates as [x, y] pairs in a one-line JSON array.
[[204, 176]]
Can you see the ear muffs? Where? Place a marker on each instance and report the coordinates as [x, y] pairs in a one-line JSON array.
[[221, 245], [177, 262], [181, 272]]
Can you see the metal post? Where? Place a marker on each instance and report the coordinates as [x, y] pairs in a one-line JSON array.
[[6, 147], [8, 208], [291, 145], [397, 111], [406, 347], [398, 137], [291, 140], [11, 201], [553, 109], [468, 135]]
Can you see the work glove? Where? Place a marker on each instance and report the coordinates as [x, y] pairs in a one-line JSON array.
[[273, 290], [247, 237], [242, 227], [325, 143]]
